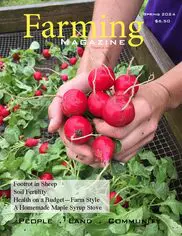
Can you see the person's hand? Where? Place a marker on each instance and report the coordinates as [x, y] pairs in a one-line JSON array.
[[81, 153], [150, 103]]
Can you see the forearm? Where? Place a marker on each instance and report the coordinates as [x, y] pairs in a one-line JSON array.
[[113, 10], [172, 82]]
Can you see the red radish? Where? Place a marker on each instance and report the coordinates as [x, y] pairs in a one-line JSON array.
[[4, 112], [1, 108], [117, 198], [113, 113], [1, 65], [78, 127], [64, 163], [64, 77], [113, 196], [64, 65], [101, 78], [103, 149], [16, 107], [38, 93], [37, 75], [1, 120], [80, 51], [5, 193], [73, 61], [122, 93], [96, 102], [43, 148], [31, 142], [74, 102], [123, 82], [43, 87], [46, 53], [16, 56], [46, 176]]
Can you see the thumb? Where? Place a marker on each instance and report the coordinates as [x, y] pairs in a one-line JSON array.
[[55, 114]]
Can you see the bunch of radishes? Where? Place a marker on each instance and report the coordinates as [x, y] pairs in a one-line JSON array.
[[116, 109]]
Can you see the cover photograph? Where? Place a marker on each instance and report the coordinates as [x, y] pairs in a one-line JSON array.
[[90, 118]]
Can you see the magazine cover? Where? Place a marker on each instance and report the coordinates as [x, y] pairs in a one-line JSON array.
[[90, 118]]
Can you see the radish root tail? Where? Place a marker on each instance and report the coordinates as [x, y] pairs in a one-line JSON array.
[[129, 66]]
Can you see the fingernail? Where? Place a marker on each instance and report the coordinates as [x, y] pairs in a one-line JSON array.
[[50, 127], [97, 121]]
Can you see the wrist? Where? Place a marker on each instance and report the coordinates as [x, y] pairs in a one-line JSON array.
[[96, 55], [163, 94], [92, 58]]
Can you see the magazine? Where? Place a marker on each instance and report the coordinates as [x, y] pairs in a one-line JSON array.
[[90, 118]]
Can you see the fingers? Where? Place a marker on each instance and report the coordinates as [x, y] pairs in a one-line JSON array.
[[72, 155], [131, 155], [126, 156], [83, 159], [137, 136], [142, 113], [82, 153], [55, 115]]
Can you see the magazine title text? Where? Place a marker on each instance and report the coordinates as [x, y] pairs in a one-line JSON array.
[[34, 22]]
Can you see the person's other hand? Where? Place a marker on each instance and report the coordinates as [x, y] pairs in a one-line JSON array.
[[81, 153], [150, 103]]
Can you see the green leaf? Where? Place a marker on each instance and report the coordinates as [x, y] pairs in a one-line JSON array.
[[57, 148], [23, 86], [138, 169], [3, 154], [148, 155], [175, 205], [117, 168], [171, 170], [117, 228], [100, 230], [57, 169], [7, 214], [161, 190], [174, 229], [135, 70], [19, 174], [5, 175], [34, 45], [37, 229], [28, 71], [33, 129], [133, 214], [27, 161], [75, 230], [1, 94], [12, 163], [3, 143], [151, 230], [118, 146], [31, 62], [12, 134]]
